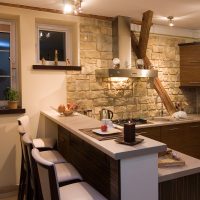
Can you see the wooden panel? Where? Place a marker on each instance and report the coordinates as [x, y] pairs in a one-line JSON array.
[[193, 140], [57, 67], [152, 132], [189, 54], [98, 169], [174, 136], [190, 64], [185, 188], [190, 75], [54, 11], [12, 111]]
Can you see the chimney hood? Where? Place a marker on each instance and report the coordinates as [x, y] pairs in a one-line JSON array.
[[122, 50]]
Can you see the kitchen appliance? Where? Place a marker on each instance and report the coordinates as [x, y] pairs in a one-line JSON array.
[[122, 49], [137, 121], [105, 114]]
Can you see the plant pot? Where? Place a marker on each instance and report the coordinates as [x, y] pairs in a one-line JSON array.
[[12, 104]]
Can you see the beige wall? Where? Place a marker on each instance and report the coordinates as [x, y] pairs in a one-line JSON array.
[[40, 89]]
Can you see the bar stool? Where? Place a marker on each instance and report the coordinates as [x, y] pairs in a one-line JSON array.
[[66, 173], [39, 143], [51, 155], [50, 186]]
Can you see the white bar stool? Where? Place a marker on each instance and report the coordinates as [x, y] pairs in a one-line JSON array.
[[50, 187]]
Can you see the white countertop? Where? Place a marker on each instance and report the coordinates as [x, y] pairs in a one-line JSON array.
[[166, 121], [192, 166], [109, 147]]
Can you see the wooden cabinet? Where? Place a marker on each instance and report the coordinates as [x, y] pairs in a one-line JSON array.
[[181, 137], [174, 136], [151, 132], [190, 64]]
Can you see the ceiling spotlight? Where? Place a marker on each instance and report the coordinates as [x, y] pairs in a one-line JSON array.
[[171, 20], [72, 6], [68, 8]]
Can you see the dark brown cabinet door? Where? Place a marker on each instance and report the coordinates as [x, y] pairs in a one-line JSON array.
[[174, 136], [190, 64], [193, 140], [151, 132]]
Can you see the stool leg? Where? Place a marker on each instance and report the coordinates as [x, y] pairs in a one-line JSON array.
[[22, 183]]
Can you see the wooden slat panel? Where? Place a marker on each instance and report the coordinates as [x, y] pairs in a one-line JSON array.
[[98, 169], [185, 188]]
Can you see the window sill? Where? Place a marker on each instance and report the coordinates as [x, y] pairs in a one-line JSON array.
[[57, 67], [12, 111]]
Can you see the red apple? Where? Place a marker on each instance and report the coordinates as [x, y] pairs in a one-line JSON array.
[[104, 128]]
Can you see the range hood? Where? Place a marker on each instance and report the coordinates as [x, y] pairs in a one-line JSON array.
[[122, 50], [131, 73]]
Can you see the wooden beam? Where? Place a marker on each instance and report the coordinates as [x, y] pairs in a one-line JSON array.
[[54, 11], [133, 21], [142, 54], [144, 33]]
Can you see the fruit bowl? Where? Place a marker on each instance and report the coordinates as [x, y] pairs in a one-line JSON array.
[[68, 112]]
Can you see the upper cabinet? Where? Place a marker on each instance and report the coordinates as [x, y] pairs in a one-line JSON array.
[[190, 64]]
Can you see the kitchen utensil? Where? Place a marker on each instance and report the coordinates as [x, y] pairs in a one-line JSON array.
[[105, 114]]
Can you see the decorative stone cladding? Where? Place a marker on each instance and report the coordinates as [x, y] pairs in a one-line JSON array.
[[134, 97]]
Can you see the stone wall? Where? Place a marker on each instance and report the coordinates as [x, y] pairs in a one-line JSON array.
[[130, 97]]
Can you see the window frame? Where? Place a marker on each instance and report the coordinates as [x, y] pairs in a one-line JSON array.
[[14, 78], [68, 41]]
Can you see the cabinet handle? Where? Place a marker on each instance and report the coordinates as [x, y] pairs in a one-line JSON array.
[[195, 82], [140, 133], [194, 126], [195, 61], [173, 129]]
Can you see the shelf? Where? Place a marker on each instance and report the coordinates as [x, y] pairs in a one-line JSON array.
[[12, 111], [57, 67]]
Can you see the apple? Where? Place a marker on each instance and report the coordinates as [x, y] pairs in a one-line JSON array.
[[104, 128]]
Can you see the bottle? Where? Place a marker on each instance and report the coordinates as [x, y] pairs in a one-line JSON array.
[[56, 57]]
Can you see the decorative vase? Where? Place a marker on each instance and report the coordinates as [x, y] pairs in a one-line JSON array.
[[12, 104]]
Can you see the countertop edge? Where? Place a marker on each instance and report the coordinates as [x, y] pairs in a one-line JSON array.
[[117, 156]]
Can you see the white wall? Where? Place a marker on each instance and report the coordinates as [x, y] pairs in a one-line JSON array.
[[39, 89]]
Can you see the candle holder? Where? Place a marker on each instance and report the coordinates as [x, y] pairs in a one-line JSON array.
[[129, 132]]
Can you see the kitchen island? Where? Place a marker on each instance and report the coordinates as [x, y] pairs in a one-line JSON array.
[[118, 171]]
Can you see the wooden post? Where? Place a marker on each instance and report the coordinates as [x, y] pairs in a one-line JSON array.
[[140, 50], [144, 33]]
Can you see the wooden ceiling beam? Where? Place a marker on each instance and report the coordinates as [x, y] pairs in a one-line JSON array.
[[140, 50], [145, 32]]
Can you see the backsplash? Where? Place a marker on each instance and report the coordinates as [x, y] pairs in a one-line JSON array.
[[134, 97]]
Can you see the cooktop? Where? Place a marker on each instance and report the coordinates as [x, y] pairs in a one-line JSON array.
[[137, 121]]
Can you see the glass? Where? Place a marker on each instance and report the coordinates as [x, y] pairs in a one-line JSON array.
[[4, 83], [4, 54], [51, 41]]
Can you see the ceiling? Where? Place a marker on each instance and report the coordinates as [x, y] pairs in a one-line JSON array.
[[186, 12]]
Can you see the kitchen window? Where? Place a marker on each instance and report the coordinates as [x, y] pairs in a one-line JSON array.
[[51, 38], [8, 64]]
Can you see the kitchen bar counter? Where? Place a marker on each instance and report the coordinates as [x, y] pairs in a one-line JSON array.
[[109, 147], [119, 172]]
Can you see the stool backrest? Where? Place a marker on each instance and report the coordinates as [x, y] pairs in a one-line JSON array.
[[24, 122], [48, 177]]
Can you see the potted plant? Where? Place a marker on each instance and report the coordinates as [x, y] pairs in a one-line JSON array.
[[13, 97]]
